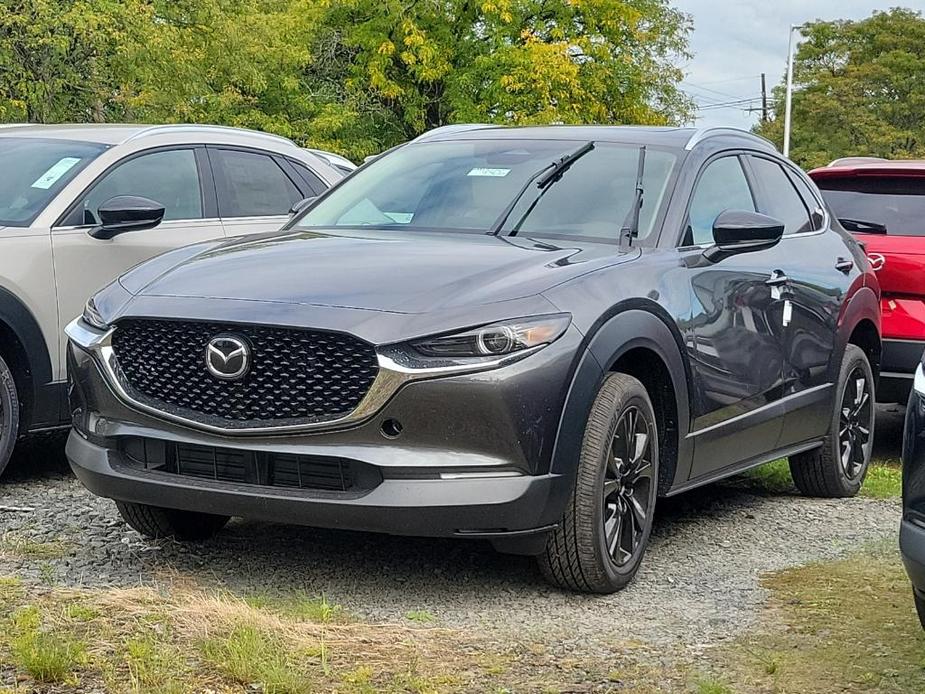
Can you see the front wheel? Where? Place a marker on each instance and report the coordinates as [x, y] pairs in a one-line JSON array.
[[919, 607], [156, 522], [838, 467], [600, 542], [9, 415]]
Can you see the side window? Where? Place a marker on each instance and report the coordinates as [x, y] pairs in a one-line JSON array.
[[812, 200], [722, 186], [781, 199], [315, 184], [169, 177], [251, 184]]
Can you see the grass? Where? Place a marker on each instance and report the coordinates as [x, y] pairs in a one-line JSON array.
[[15, 546], [883, 481], [845, 626]]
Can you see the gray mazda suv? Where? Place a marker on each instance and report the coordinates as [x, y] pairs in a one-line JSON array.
[[521, 335]]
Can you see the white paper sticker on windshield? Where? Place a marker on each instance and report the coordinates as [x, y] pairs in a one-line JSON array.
[[50, 177], [493, 173]]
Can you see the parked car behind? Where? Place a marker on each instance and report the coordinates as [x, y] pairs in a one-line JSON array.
[[486, 333], [912, 528], [68, 194], [883, 203], [340, 163]]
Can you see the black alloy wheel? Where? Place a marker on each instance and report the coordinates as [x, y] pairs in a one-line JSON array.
[[627, 486]]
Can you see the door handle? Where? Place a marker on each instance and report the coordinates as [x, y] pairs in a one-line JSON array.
[[844, 265], [777, 279]]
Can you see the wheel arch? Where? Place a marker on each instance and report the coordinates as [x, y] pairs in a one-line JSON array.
[[860, 325], [637, 337], [23, 348]]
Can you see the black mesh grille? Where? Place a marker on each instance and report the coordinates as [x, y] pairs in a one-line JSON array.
[[296, 376]]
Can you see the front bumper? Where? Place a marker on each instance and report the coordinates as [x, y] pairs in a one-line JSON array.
[[472, 458]]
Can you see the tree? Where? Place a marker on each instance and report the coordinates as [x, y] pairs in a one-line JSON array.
[[56, 58], [353, 76], [858, 90]]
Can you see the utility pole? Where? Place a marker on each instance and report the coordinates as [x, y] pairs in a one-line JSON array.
[[788, 109], [764, 99]]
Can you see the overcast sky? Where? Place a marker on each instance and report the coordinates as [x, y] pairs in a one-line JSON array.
[[734, 41]]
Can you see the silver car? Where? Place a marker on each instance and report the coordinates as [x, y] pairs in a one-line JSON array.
[[69, 194]]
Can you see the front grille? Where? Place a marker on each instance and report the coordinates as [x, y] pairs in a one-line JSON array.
[[296, 376], [269, 469]]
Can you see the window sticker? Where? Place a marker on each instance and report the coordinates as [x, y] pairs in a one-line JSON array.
[[490, 173], [50, 177]]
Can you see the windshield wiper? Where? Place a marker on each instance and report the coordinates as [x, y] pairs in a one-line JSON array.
[[543, 178], [630, 229], [862, 226]]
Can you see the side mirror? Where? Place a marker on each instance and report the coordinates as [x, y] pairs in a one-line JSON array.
[[125, 213], [740, 231], [301, 205]]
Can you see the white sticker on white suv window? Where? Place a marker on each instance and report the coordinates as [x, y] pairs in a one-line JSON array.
[[50, 177], [492, 173]]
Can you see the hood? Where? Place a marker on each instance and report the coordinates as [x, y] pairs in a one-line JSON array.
[[396, 272]]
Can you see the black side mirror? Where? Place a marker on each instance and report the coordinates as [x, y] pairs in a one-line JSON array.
[[301, 205], [125, 213], [740, 231]]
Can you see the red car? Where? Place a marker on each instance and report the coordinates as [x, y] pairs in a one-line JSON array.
[[882, 203]]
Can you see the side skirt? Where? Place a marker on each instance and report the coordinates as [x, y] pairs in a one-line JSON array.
[[731, 470]]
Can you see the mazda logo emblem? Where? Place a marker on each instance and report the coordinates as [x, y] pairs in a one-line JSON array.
[[877, 261], [228, 358]]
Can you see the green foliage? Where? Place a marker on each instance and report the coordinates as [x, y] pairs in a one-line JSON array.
[[857, 90], [353, 76]]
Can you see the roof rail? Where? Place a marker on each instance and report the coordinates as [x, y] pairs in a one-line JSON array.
[[193, 127], [702, 134], [451, 129]]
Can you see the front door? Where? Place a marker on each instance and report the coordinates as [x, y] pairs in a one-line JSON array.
[[734, 338], [171, 177]]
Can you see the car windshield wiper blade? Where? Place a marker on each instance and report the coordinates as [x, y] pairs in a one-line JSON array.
[[630, 229], [862, 226], [543, 178]]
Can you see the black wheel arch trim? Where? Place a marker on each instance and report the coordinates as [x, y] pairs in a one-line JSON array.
[[629, 325], [864, 304], [25, 328]]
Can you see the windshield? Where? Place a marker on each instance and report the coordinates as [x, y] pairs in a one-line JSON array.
[[34, 171], [464, 186], [898, 203]]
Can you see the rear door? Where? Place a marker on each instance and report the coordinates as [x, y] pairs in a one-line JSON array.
[[255, 189], [177, 177], [820, 270]]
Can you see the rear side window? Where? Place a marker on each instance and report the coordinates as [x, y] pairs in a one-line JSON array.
[[250, 184], [315, 184], [169, 177], [781, 199], [722, 186], [898, 203]]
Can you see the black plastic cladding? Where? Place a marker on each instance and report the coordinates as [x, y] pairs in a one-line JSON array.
[[296, 375]]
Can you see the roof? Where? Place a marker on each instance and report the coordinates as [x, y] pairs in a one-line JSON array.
[[629, 134], [870, 166], [115, 133]]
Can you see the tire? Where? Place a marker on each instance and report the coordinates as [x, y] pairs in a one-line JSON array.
[[9, 415], [919, 607], [838, 468], [155, 522], [600, 542]]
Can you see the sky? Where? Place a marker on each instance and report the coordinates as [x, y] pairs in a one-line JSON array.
[[734, 41]]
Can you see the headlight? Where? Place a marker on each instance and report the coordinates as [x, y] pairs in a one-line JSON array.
[[91, 316], [497, 339]]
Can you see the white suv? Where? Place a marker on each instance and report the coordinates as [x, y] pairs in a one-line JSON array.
[[69, 194]]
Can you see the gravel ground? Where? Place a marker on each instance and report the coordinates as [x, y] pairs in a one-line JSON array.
[[699, 583]]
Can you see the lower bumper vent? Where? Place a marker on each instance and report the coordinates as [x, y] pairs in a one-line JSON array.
[[234, 465]]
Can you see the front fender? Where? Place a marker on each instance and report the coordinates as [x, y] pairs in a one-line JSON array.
[[628, 327]]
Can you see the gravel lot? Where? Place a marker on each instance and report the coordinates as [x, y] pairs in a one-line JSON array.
[[699, 584]]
